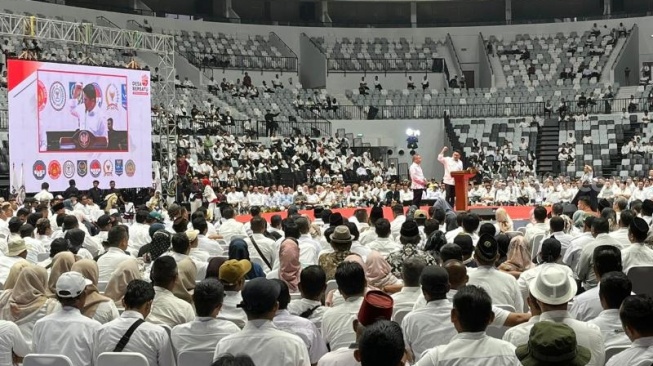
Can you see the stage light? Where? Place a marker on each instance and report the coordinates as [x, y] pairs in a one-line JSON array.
[[409, 132]]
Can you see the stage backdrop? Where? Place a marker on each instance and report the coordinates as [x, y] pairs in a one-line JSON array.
[[78, 122]]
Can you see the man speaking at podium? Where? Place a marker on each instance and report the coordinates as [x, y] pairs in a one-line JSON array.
[[451, 164], [88, 117]]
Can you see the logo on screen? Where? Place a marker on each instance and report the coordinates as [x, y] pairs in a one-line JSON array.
[[119, 167], [41, 95], [130, 168], [111, 96], [108, 168], [145, 79], [57, 96], [71, 89], [84, 139], [68, 169], [82, 168], [96, 168], [39, 170], [123, 95], [54, 169], [98, 94], [141, 87]]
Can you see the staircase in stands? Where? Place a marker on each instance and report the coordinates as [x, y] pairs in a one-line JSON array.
[[547, 147], [616, 160]]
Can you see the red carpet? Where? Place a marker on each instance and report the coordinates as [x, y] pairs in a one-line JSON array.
[[515, 212]]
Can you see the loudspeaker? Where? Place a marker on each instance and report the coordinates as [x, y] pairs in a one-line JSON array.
[[485, 214], [438, 65], [372, 112]]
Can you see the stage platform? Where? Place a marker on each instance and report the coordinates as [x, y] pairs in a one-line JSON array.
[[516, 213]]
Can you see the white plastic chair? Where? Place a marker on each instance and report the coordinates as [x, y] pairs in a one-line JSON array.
[[400, 315], [640, 277], [121, 358], [331, 285], [611, 351], [47, 360], [195, 358], [536, 244], [42, 256]]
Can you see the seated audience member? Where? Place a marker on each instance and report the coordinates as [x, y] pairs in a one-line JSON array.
[[547, 339], [167, 309], [340, 240], [116, 244], [549, 297], [186, 269], [126, 272], [336, 321], [411, 271], [61, 263], [587, 305], [381, 344], [232, 276], [378, 273], [501, 286], [572, 256], [259, 339], [301, 327], [376, 306], [14, 272], [471, 314], [615, 287], [539, 228], [230, 360], [97, 306], [67, 332], [238, 250], [312, 285], [289, 265], [265, 245], [409, 238], [518, 258], [56, 246], [204, 333], [637, 253], [600, 232], [12, 343], [383, 242], [636, 314], [430, 326], [17, 251]]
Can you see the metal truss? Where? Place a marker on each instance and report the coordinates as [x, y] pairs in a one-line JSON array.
[[91, 35]]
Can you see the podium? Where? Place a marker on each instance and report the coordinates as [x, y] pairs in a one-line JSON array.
[[461, 179]]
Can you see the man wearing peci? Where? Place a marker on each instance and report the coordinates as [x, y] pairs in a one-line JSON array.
[[417, 180], [451, 164]]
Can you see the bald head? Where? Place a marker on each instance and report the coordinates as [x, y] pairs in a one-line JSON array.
[[457, 273], [417, 159]]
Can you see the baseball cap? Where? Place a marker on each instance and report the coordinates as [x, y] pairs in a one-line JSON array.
[[155, 216], [15, 247], [71, 284], [192, 235], [259, 295], [376, 305], [233, 270], [552, 343], [103, 220], [553, 286]]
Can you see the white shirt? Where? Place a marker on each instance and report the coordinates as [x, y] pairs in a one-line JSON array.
[[529, 275], [406, 298], [621, 236], [564, 239], [210, 246], [395, 225], [641, 350], [11, 340], [471, 349], [384, 246], [266, 245], [501, 287], [66, 332], [109, 261], [202, 334], [337, 323], [5, 266], [587, 305], [34, 248], [230, 311], [304, 329], [266, 345], [611, 328], [308, 249], [572, 256], [636, 254], [298, 306], [429, 326], [169, 310], [450, 165], [339, 357], [139, 235], [587, 335], [230, 228], [416, 176], [533, 231], [106, 312], [43, 195], [585, 271]]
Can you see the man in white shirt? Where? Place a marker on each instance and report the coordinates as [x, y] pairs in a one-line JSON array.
[[299, 326], [230, 227], [539, 228], [16, 252], [411, 269], [501, 286], [399, 219], [600, 231], [203, 242], [150, 340], [471, 314], [625, 219], [232, 276], [557, 227], [550, 294], [67, 332], [635, 314], [451, 164], [44, 195], [430, 326], [117, 241], [12, 342], [312, 285], [260, 339], [204, 333], [336, 321], [86, 115], [383, 242], [637, 253], [572, 256], [308, 247], [258, 225], [587, 305], [417, 180], [615, 288], [167, 309]]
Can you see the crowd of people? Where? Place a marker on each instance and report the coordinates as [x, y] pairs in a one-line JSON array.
[[425, 287]]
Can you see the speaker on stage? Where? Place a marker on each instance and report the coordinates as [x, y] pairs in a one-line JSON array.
[[372, 112]]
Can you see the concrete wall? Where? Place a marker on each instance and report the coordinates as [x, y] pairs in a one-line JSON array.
[[629, 57], [466, 47], [430, 142], [313, 65], [484, 74]]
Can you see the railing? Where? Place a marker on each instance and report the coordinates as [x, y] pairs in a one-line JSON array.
[[345, 65], [454, 53], [103, 21], [206, 60], [315, 127]]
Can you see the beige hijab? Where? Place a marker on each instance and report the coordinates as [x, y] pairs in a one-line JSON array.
[[185, 284], [88, 268], [378, 271], [126, 272], [503, 220], [61, 263], [27, 296], [14, 272], [518, 257]]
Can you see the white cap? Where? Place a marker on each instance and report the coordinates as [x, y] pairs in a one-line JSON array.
[[553, 286], [71, 284]]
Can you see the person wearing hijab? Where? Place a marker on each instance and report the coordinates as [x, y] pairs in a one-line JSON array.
[[96, 306], [289, 265], [75, 239], [57, 246], [161, 242], [519, 258], [154, 228], [504, 222], [212, 271], [61, 263], [14, 272], [238, 250], [379, 273], [27, 302], [121, 277]]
